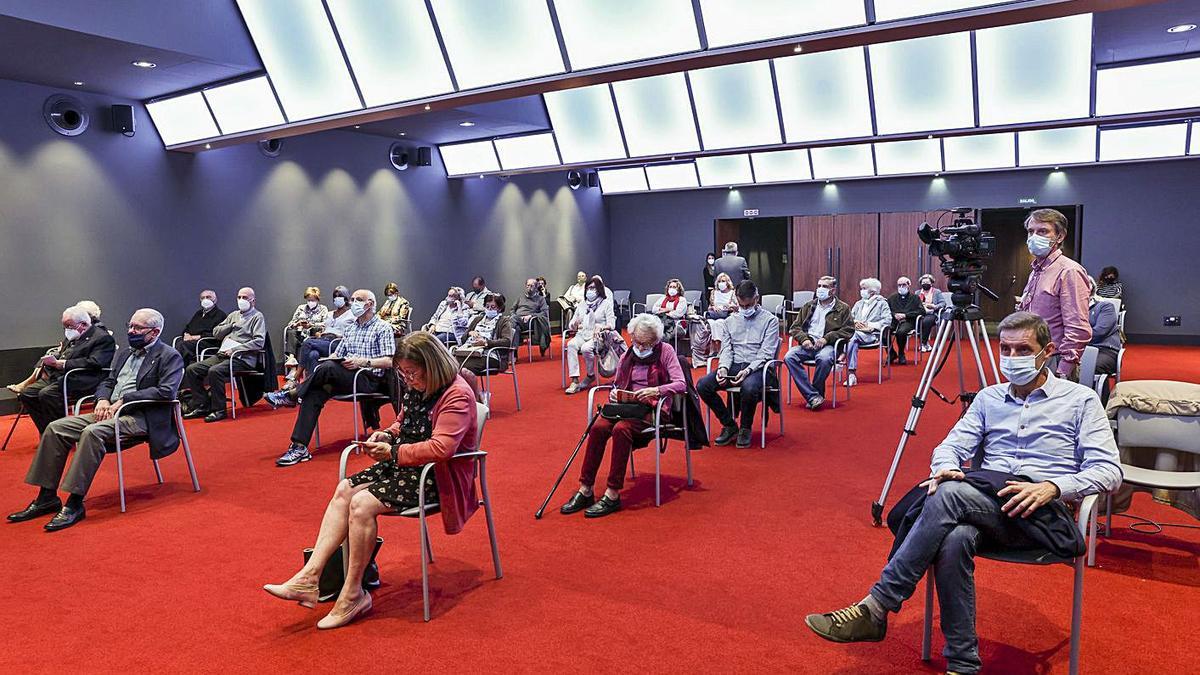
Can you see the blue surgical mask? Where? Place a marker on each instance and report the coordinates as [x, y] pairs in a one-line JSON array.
[[491, 313], [866, 294], [358, 308], [1039, 246], [822, 293], [339, 302], [590, 295], [748, 312], [1020, 370], [902, 290], [642, 354]]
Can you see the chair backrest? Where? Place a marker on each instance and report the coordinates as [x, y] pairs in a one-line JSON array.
[[802, 297], [772, 302], [1115, 302], [1171, 432], [1087, 365], [653, 299], [693, 297], [481, 417], [621, 297]]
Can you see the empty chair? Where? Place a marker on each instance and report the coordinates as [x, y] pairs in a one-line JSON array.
[[774, 303]]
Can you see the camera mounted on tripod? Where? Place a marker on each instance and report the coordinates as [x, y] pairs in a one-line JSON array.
[[962, 247]]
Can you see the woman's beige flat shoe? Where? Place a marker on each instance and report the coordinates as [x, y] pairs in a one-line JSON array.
[[334, 620], [305, 594]]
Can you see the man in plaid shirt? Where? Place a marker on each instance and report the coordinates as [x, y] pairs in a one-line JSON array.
[[369, 343]]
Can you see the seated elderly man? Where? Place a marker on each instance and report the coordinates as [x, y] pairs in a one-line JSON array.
[[148, 370], [906, 308], [370, 343], [450, 319], [478, 294], [1045, 441], [533, 313], [201, 325], [243, 335], [84, 346], [818, 326], [650, 370], [751, 339]]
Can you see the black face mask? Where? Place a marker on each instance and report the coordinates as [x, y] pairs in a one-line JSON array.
[[926, 286], [138, 340]]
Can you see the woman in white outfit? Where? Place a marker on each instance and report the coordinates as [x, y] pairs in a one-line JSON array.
[[592, 315], [870, 315]]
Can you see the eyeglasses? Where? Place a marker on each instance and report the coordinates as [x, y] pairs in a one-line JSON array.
[[409, 374], [134, 326]]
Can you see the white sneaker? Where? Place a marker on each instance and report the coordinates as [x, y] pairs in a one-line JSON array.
[[291, 361], [926, 348], [851, 380]]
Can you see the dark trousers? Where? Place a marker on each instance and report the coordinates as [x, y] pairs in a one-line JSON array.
[[212, 373], [622, 433], [328, 380], [750, 396], [43, 401], [292, 339], [448, 339], [91, 440], [1106, 364], [925, 326], [539, 327], [187, 349], [900, 333]]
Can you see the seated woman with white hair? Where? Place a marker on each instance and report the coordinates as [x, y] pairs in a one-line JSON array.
[[650, 369], [870, 314]]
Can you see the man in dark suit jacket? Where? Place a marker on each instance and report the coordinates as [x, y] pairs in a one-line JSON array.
[[86, 346], [906, 308], [148, 370], [201, 326], [732, 264]]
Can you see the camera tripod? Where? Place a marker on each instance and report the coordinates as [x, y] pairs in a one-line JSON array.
[[955, 322]]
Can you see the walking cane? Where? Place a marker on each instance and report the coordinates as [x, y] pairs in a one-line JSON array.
[[566, 468]]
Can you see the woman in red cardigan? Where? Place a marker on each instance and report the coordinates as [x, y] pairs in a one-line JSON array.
[[651, 370], [437, 420]]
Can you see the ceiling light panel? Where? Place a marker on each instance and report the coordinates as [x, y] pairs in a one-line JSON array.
[[923, 84], [923, 155], [301, 54], [888, 10], [1152, 86], [623, 180], [242, 106], [1163, 140], [656, 115], [1033, 72], [727, 22], [824, 95], [735, 105], [182, 119], [524, 152], [462, 159], [984, 151], [1070, 145], [781, 166], [371, 31], [498, 40], [725, 170], [843, 161], [672, 176], [1195, 148], [585, 122], [603, 32]]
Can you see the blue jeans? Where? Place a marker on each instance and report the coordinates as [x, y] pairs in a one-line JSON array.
[[946, 535], [794, 360], [852, 349], [312, 350]]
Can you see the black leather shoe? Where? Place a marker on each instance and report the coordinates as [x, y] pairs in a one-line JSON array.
[[215, 416], [743, 438], [195, 413], [576, 503], [903, 360], [65, 518], [603, 507], [726, 436], [35, 509]]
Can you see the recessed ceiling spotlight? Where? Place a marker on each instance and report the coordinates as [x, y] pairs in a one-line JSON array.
[[145, 64], [828, 182], [1057, 169], [427, 106], [357, 126], [78, 83], [208, 146], [466, 124], [1182, 28], [481, 175], [402, 133], [937, 175], [798, 48]]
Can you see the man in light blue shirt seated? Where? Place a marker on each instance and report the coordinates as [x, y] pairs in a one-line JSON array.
[[1050, 433]]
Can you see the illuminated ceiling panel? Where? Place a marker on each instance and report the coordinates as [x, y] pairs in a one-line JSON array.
[[1164, 140], [735, 105], [301, 54], [824, 95], [603, 32], [243, 106], [1152, 86], [923, 84], [523, 152], [181, 119], [656, 115], [844, 161], [780, 166], [1034, 72], [585, 123], [920, 156], [985, 151], [888, 10], [370, 32], [1195, 149], [725, 170], [672, 176], [1070, 145], [464, 159], [497, 41], [623, 180], [727, 22]]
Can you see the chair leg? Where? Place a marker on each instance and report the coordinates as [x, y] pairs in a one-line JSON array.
[[516, 388], [158, 472], [658, 444], [317, 432], [20, 412], [233, 396], [1108, 515], [187, 451], [354, 407], [927, 629], [424, 566], [121, 479], [1076, 615], [1093, 527], [632, 471], [428, 547], [487, 512]]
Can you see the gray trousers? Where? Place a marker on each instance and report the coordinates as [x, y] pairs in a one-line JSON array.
[[92, 439]]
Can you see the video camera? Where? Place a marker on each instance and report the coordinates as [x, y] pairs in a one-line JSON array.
[[962, 248]]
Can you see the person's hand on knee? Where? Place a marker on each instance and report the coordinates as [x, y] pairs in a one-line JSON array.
[[941, 476]]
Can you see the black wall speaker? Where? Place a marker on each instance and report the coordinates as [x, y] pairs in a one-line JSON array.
[[65, 115], [424, 156], [271, 147], [593, 179], [398, 157], [574, 179], [122, 119]]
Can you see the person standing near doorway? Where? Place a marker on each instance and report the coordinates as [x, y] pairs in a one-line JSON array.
[[732, 264], [1057, 289]]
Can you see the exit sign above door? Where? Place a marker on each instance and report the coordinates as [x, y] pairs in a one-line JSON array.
[[750, 213]]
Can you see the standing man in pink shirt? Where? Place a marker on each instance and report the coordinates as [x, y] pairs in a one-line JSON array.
[[1057, 289]]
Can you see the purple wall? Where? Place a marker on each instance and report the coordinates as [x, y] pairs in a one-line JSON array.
[[1140, 217], [123, 222]]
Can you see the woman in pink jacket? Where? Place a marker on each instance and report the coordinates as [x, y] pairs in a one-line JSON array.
[[437, 420]]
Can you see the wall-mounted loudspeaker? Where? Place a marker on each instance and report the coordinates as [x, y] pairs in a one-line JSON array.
[[271, 147], [65, 115], [398, 157], [122, 119], [424, 156], [593, 179]]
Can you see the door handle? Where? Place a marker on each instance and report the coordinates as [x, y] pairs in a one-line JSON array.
[[839, 263], [829, 261]]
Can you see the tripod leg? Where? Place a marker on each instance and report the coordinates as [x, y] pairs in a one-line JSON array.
[[975, 352], [567, 467], [987, 341]]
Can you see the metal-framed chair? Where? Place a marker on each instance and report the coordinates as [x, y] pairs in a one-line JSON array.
[[774, 303], [773, 364], [199, 343], [799, 299], [621, 300], [424, 509], [884, 338], [509, 368], [66, 405], [652, 299], [663, 431], [527, 332], [693, 298], [119, 446], [839, 370], [355, 397], [235, 373]]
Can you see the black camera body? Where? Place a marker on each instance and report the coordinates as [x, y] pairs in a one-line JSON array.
[[962, 247]]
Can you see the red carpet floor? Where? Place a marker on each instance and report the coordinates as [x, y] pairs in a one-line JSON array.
[[717, 579]]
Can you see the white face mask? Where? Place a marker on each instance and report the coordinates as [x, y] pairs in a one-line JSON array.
[[672, 292], [358, 308], [1020, 370], [822, 293], [748, 312], [243, 304], [339, 302], [1039, 246], [206, 303], [642, 353], [902, 290], [72, 334], [312, 304], [590, 295], [451, 300], [866, 294], [491, 313], [392, 296], [723, 286]]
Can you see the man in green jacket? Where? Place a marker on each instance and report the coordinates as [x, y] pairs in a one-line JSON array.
[[821, 323]]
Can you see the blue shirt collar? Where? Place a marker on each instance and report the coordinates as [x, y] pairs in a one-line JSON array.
[[1050, 388]]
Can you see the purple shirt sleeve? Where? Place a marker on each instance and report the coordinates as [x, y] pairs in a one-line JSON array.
[[1077, 329]]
